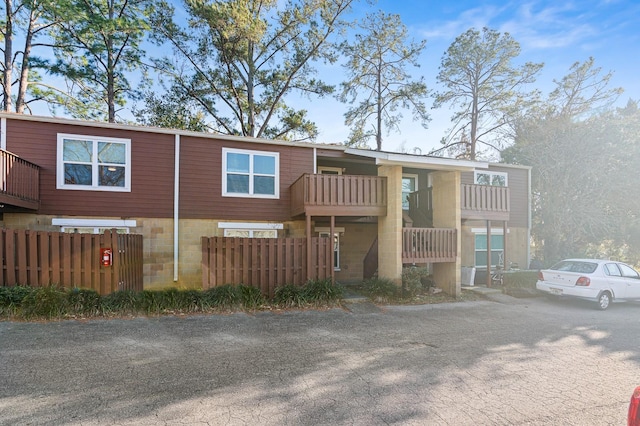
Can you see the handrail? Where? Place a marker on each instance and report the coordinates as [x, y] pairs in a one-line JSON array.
[[19, 178]]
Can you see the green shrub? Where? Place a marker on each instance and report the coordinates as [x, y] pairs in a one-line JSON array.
[[322, 291], [225, 296], [190, 301], [11, 297], [521, 279], [155, 301], [83, 301], [250, 297], [415, 281], [382, 289], [126, 301], [45, 302], [289, 296]]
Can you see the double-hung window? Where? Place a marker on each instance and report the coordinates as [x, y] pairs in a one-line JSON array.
[[250, 173], [94, 163]]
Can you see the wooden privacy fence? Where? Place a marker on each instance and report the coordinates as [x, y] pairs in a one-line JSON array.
[[39, 258], [264, 263]]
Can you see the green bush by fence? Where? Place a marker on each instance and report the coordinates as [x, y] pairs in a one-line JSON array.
[[51, 302], [521, 279]]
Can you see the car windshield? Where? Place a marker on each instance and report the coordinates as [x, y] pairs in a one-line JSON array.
[[575, 266]]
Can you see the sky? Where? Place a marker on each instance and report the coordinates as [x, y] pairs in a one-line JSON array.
[[555, 32]]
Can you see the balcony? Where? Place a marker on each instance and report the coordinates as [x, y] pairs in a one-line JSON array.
[[428, 245], [477, 202], [485, 202], [20, 185], [339, 195]]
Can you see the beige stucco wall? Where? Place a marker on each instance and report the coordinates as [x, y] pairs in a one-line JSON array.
[[446, 214]]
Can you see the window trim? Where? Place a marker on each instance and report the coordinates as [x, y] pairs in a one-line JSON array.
[[251, 153], [60, 184], [96, 224], [491, 174], [330, 170], [250, 227], [326, 233], [494, 233]]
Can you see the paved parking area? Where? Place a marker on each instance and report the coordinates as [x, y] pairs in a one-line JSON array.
[[524, 362]]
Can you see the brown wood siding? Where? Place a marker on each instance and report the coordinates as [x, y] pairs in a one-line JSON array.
[[152, 158], [201, 181], [519, 185]]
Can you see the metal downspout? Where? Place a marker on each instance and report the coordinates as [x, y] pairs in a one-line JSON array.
[[176, 209]]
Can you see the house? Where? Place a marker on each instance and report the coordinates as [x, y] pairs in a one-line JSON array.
[[385, 210]]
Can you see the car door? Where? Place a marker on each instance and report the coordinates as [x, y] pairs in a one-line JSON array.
[[632, 281], [615, 280]]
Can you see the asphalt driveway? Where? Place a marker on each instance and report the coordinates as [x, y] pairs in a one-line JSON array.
[[524, 362]]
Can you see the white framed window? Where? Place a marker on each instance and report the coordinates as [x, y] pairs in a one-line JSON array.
[[93, 226], [250, 173], [251, 233], [250, 230], [490, 178], [93, 163], [497, 248], [409, 185]]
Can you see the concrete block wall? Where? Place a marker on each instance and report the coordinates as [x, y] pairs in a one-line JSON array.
[[354, 245], [390, 227], [447, 214]]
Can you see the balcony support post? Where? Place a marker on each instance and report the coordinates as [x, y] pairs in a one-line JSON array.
[[390, 227], [308, 233], [488, 253], [447, 214]]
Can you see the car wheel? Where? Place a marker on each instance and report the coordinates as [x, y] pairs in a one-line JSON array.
[[604, 300]]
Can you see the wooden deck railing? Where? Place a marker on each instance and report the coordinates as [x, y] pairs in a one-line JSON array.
[[20, 181], [421, 207], [485, 202], [476, 202], [339, 195], [428, 245]]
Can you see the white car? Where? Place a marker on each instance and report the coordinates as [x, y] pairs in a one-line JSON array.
[[603, 281]]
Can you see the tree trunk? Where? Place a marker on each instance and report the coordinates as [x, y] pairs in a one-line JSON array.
[[379, 106], [24, 70], [8, 53]]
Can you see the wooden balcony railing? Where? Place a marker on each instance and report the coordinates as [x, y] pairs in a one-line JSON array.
[[485, 202], [339, 195], [428, 245], [20, 182], [476, 202]]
